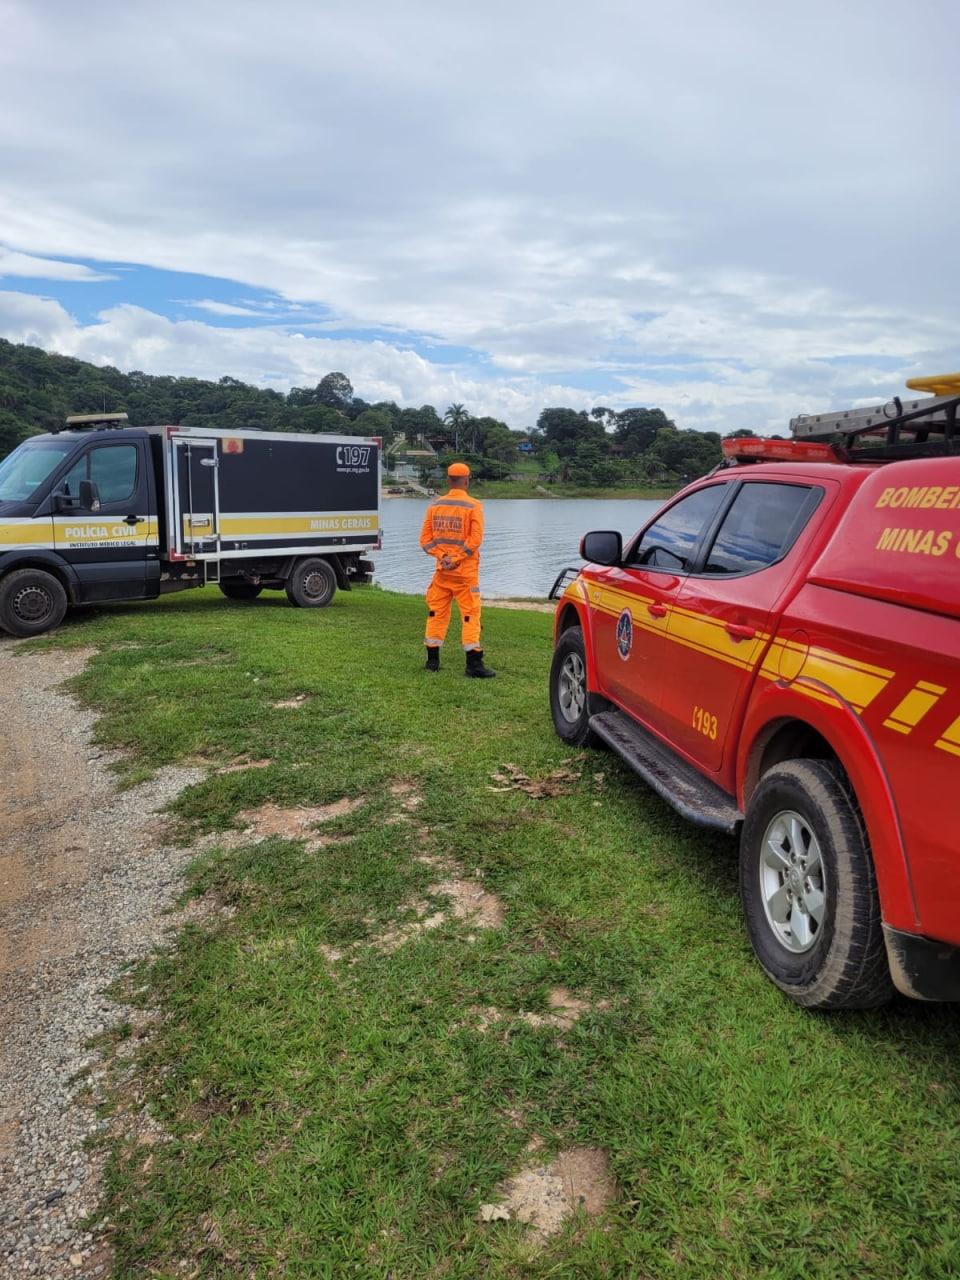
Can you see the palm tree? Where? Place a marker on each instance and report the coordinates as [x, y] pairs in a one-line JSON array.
[[457, 417]]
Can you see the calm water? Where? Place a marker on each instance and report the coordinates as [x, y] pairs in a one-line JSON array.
[[527, 543]]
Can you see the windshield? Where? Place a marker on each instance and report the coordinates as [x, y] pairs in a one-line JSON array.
[[31, 463]]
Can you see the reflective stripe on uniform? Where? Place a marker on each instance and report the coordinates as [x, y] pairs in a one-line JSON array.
[[447, 542], [452, 502]]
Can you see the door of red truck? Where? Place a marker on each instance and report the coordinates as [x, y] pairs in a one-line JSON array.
[[632, 602], [719, 625]]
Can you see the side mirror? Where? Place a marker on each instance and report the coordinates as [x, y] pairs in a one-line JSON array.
[[64, 502], [603, 546], [89, 496]]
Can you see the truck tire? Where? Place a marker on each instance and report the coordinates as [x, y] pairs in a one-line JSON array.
[[809, 891], [31, 602], [241, 590], [571, 703], [312, 584]]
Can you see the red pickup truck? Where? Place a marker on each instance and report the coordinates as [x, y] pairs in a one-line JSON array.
[[777, 653]]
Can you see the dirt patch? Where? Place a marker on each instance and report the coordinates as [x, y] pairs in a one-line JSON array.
[[510, 777], [565, 1011], [242, 764], [544, 1196], [425, 919], [408, 795], [470, 901], [291, 704], [292, 824]]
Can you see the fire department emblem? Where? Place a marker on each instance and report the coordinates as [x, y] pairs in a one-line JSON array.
[[625, 634]]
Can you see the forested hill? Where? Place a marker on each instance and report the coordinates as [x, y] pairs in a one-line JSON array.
[[600, 447], [38, 390]]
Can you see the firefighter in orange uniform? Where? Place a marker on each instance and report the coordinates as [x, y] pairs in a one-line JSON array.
[[452, 533]]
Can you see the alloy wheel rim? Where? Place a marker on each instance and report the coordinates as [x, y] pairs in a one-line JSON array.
[[793, 881], [572, 688]]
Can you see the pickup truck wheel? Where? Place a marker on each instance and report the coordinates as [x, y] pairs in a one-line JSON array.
[[571, 704], [31, 602], [809, 891], [312, 584], [241, 590]]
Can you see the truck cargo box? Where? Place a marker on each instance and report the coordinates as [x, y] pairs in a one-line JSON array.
[[246, 494]]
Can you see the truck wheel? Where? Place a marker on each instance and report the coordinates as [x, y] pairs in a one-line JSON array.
[[31, 602], [571, 704], [312, 584], [240, 590], [809, 891]]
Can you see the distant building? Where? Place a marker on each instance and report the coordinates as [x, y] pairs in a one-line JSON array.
[[404, 461]]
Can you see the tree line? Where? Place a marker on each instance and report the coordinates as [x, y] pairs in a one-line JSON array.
[[601, 447]]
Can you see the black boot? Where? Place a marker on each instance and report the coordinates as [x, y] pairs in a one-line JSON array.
[[433, 657], [475, 665]]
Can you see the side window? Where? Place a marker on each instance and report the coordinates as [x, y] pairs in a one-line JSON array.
[[761, 525], [70, 484], [671, 541], [113, 469]]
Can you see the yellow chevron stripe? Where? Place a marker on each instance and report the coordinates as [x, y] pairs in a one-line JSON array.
[[908, 713], [831, 678], [950, 741]]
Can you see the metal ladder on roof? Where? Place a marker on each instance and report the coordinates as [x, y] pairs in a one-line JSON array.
[[899, 425]]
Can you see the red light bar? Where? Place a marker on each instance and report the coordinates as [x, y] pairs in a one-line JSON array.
[[751, 449]]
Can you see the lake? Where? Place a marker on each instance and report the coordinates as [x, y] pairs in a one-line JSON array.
[[528, 540]]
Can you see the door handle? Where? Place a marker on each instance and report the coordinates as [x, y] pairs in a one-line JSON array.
[[134, 519], [738, 632], [657, 610]]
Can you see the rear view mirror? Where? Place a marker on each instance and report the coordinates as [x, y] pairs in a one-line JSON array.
[[603, 546], [89, 496]]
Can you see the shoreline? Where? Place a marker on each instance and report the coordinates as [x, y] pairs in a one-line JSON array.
[[487, 492]]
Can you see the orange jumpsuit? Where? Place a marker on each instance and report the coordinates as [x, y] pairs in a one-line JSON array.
[[452, 533]]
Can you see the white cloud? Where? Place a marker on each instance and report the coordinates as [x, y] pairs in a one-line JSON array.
[[708, 395], [26, 265], [221, 308], [741, 190]]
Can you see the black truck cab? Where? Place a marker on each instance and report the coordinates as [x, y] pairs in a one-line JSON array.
[[80, 506]]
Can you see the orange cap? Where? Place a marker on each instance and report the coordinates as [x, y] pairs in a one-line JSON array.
[[458, 469]]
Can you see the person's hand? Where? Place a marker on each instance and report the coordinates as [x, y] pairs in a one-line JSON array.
[[446, 563]]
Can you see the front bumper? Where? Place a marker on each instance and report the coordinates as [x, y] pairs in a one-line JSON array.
[[923, 968]]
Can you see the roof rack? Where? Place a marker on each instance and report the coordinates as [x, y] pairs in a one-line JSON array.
[[93, 421], [896, 428]]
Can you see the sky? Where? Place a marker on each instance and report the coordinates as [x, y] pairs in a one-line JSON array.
[[735, 212]]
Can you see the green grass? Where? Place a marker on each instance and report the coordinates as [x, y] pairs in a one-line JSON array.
[[333, 1120]]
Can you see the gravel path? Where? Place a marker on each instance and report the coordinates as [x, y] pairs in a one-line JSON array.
[[84, 884]]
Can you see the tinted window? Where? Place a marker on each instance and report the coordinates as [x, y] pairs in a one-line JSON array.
[[670, 542], [70, 484], [113, 469], [760, 526]]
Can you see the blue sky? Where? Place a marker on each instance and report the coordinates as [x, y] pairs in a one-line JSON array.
[[713, 209]]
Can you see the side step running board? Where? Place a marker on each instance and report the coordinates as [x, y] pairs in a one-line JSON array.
[[692, 795]]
